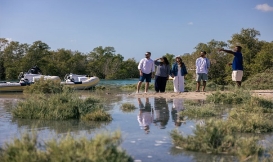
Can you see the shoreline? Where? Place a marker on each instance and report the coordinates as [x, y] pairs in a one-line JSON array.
[[266, 94]]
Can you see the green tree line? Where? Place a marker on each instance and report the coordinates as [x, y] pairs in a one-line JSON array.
[[257, 55], [104, 63], [101, 62]]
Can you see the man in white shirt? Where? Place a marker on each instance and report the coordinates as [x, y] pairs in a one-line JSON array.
[[145, 116], [146, 67], [202, 68]]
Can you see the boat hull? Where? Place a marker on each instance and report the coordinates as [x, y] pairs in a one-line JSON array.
[[85, 83], [11, 87], [89, 83]]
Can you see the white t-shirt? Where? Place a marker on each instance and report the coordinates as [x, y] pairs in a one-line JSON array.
[[146, 65], [202, 65], [145, 118]]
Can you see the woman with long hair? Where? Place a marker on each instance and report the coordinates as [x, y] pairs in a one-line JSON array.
[[178, 72], [162, 73]]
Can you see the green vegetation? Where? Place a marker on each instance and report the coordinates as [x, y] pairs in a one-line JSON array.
[[197, 111], [215, 137], [101, 148], [127, 107], [249, 114], [235, 97], [105, 64], [263, 80], [60, 106], [44, 86]]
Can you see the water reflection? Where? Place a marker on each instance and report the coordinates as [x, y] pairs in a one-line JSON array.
[[178, 106], [161, 110], [60, 126], [159, 113], [148, 144], [145, 115]]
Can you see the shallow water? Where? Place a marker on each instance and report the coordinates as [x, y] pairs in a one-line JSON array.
[[144, 145]]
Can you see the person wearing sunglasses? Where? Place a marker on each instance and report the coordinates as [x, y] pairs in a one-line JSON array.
[[146, 67]]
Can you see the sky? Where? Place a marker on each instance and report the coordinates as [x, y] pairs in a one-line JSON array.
[[132, 27]]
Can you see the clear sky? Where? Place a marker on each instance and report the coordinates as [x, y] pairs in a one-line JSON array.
[[132, 27]]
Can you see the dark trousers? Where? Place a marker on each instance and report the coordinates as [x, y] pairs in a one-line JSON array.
[[160, 83]]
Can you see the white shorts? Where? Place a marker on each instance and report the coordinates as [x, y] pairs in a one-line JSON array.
[[237, 75]]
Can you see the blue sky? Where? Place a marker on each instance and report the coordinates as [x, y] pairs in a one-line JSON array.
[[132, 26]]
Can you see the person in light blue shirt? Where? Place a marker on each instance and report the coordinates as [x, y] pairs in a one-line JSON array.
[[202, 69], [237, 65]]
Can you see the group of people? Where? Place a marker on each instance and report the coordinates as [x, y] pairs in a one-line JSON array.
[[178, 71]]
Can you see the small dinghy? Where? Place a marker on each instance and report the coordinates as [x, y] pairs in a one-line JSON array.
[[80, 82], [25, 80]]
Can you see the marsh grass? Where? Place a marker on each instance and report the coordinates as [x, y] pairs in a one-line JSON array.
[[260, 81], [199, 111], [45, 86], [59, 106], [235, 97], [97, 115], [103, 147], [127, 107], [251, 119], [215, 137], [248, 114]]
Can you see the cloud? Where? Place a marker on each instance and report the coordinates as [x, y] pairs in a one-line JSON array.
[[9, 39], [264, 7], [190, 23]]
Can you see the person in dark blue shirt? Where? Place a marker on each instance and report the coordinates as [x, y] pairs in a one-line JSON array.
[[237, 64]]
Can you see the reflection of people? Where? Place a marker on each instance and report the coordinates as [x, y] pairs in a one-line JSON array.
[[146, 68], [162, 74], [145, 116], [202, 68], [161, 112], [178, 72], [35, 70], [177, 107], [237, 65]]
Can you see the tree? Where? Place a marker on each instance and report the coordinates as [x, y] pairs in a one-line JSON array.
[[12, 57], [100, 61], [3, 44], [36, 55], [128, 69], [264, 58]]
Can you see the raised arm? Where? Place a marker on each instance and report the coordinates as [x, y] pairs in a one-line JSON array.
[[227, 51]]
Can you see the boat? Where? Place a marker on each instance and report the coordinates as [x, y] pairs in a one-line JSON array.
[[80, 82], [26, 79], [74, 81]]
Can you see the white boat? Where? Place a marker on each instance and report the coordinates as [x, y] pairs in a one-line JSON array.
[[80, 82], [25, 80]]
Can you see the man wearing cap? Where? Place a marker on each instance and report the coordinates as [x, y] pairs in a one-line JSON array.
[[146, 67], [202, 68]]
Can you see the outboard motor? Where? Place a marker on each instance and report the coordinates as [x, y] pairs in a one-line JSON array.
[[35, 70]]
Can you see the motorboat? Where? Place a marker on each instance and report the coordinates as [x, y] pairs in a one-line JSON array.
[[26, 79], [80, 82]]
